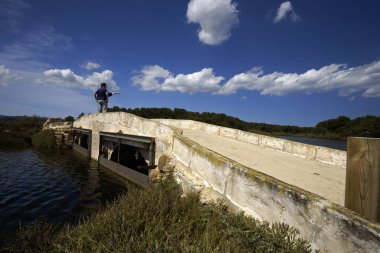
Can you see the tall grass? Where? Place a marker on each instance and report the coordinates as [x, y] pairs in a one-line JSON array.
[[158, 219]]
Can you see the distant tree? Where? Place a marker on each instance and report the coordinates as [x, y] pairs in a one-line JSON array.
[[339, 128], [80, 115], [69, 118]]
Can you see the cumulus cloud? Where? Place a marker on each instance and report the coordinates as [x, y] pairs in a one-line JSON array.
[[91, 65], [67, 78], [216, 18], [286, 10], [159, 79], [6, 76], [151, 78], [364, 80]]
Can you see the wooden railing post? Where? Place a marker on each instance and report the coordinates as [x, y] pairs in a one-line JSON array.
[[363, 177]]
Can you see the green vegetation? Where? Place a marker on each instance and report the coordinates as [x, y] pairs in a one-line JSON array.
[[17, 132], [158, 219], [23, 131], [69, 118], [339, 128], [44, 139]]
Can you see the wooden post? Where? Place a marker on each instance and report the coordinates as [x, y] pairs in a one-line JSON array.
[[363, 177]]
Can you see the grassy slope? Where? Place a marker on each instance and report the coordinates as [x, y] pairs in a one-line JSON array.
[[158, 219]]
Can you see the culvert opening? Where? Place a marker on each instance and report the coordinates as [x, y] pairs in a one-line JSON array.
[[82, 141], [132, 156]]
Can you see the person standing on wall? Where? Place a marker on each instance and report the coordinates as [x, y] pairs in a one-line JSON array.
[[101, 97]]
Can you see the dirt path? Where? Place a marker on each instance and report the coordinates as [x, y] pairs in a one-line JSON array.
[[322, 179]]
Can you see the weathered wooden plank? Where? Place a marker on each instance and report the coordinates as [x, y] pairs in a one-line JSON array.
[[363, 177]]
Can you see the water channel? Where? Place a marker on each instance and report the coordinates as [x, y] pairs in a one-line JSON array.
[[59, 187]]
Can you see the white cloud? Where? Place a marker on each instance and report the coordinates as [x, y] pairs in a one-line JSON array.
[[202, 81], [347, 81], [363, 79], [91, 65], [67, 78], [6, 76], [159, 79], [151, 78], [286, 10], [215, 17]]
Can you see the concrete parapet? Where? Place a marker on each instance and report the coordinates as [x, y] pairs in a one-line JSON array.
[[121, 122], [331, 156], [322, 154], [300, 149], [329, 227], [58, 125], [272, 143], [248, 137]]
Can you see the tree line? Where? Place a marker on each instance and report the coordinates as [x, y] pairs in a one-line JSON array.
[[17, 132], [338, 128]]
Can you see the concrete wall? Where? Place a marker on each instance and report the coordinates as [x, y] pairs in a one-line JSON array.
[[125, 123], [322, 154], [327, 226], [57, 125], [62, 132]]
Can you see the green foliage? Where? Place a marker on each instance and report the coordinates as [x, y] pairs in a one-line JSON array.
[[158, 219], [219, 119], [339, 128], [44, 139], [69, 118], [17, 132]]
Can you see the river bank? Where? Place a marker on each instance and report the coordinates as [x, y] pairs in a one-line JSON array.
[[64, 203], [159, 218], [58, 186]]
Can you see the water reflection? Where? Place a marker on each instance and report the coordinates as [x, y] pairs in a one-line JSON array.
[[59, 186]]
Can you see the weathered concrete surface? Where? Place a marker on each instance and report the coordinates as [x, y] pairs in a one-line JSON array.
[[321, 154], [322, 179], [328, 226], [125, 123], [63, 131]]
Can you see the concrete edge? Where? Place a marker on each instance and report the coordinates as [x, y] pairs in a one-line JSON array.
[[307, 151], [220, 159]]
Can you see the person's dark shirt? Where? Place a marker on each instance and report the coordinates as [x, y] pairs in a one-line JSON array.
[[101, 94]]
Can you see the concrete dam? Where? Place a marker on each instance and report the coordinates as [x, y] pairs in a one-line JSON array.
[[270, 179]]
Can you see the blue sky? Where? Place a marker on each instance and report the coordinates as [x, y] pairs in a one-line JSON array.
[[282, 62]]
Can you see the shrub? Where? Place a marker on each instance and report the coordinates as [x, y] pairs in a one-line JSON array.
[[44, 139], [158, 219]]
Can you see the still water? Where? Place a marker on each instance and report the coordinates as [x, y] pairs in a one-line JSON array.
[[335, 144], [58, 187]]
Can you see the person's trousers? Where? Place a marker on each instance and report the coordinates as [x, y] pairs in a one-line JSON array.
[[102, 106]]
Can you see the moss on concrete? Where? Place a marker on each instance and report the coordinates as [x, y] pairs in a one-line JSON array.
[[303, 197]]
